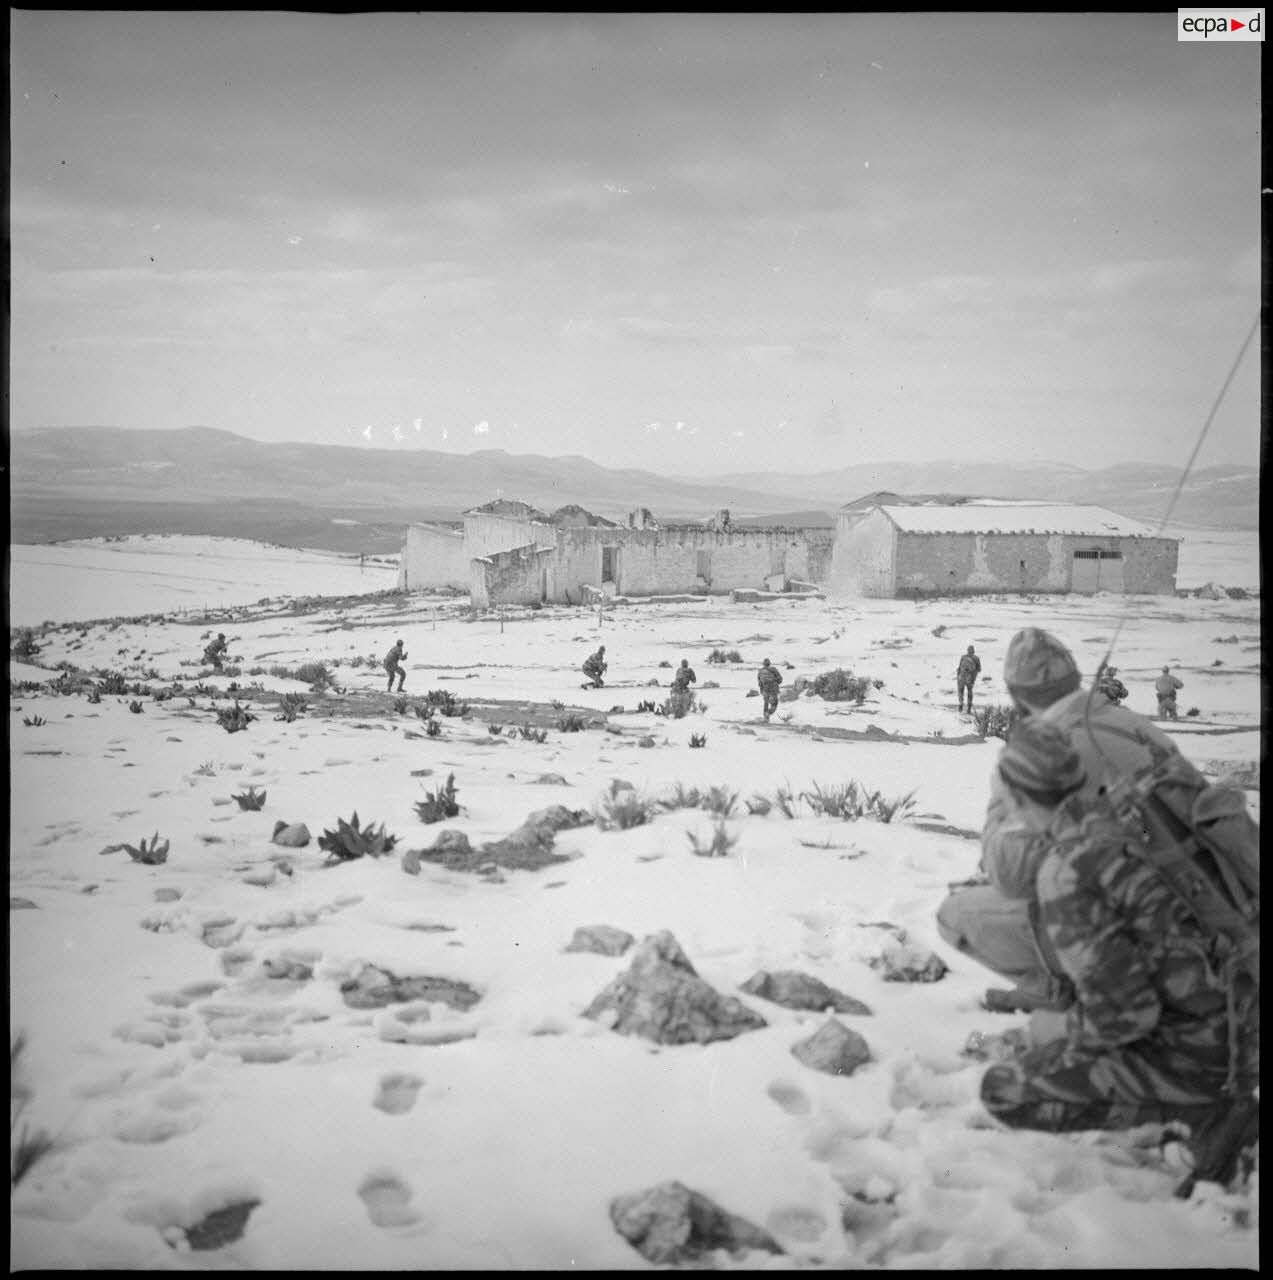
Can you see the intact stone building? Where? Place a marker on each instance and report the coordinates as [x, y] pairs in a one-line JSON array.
[[888, 545]]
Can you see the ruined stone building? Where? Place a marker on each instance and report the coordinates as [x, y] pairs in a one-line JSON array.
[[513, 553], [888, 545]]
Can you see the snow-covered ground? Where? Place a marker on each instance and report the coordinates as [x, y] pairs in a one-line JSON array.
[[146, 573], [188, 1045]]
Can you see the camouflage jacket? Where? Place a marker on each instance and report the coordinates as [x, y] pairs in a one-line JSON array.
[[969, 667], [1015, 836], [683, 678], [1143, 970], [768, 678], [394, 656]]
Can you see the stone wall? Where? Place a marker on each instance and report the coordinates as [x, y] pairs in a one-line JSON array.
[[434, 556], [862, 556], [970, 563], [520, 576]]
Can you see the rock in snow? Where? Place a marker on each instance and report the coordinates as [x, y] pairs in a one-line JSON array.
[[669, 1224], [659, 996], [795, 990]]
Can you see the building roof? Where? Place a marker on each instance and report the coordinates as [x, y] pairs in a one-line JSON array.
[[981, 516], [508, 507], [573, 514]]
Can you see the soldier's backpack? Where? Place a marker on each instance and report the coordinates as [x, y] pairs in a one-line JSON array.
[[1203, 844]]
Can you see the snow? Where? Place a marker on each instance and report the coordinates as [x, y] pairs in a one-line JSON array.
[[1016, 517], [179, 1078]]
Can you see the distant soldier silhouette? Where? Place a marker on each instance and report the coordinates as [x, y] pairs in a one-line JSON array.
[[595, 666], [1165, 687], [768, 678], [393, 660], [966, 676], [684, 677], [215, 649]]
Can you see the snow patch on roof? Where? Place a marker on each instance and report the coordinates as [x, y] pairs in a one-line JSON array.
[[982, 516]]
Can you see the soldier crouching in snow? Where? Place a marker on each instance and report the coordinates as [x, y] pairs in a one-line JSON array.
[[594, 667]]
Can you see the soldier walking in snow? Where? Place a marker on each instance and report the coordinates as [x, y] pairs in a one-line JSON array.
[[768, 678], [684, 677], [392, 664], [966, 676], [595, 666], [1165, 687], [215, 649]]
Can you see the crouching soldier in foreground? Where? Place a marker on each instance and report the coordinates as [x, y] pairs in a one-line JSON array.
[[215, 649], [768, 678], [595, 667], [993, 917], [393, 665], [684, 677], [1165, 1020]]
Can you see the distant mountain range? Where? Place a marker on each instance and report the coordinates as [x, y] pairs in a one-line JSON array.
[[69, 482]]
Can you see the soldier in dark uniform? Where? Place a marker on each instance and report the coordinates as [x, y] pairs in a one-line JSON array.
[[595, 666], [684, 677], [214, 650], [768, 678], [392, 664], [966, 676], [1165, 687], [1109, 684]]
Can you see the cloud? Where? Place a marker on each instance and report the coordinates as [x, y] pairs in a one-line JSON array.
[[417, 423], [482, 428], [653, 426]]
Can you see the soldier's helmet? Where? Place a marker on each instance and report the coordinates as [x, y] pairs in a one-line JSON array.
[[765, 663], [602, 649], [1041, 760], [1111, 671], [221, 636], [685, 662], [1166, 670], [970, 649]]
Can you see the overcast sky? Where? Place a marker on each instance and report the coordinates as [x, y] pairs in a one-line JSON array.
[[696, 243]]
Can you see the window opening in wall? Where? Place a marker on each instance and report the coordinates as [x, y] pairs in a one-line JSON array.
[[609, 556], [1095, 554]]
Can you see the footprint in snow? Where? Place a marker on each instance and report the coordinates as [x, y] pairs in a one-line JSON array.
[[388, 1200], [397, 1093]]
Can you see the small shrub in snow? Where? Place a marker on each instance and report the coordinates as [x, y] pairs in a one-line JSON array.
[[439, 803], [572, 723], [27, 1146], [290, 705], [840, 686], [678, 704], [724, 655], [623, 808], [718, 846], [25, 645], [152, 854], [233, 719], [759, 805], [250, 799], [33, 722], [530, 734], [135, 707], [350, 841], [495, 730], [698, 739], [995, 721]]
